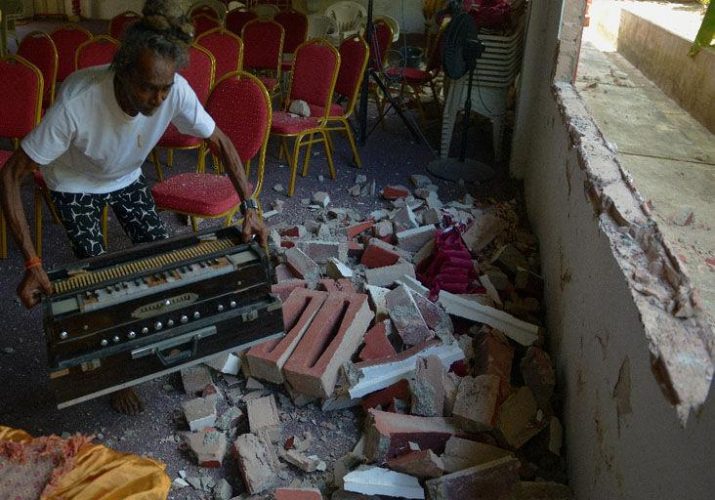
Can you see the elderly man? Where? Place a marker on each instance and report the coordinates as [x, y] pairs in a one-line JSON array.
[[92, 143]]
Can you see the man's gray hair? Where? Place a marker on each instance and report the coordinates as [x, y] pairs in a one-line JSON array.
[[164, 29]]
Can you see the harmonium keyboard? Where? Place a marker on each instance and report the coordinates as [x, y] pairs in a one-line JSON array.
[[123, 318]]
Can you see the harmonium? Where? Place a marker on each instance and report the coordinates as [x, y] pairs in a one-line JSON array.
[[127, 317]]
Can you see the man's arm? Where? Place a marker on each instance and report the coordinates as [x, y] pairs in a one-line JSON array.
[[223, 146], [35, 281]]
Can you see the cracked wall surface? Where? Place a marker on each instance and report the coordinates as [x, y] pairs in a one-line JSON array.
[[630, 342]]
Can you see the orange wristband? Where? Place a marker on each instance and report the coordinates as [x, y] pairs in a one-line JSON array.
[[33, 262]]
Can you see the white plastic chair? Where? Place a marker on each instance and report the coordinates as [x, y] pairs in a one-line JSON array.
[[320, 26], [350, 17], [235, 5], [266, 10], [218, 6], [392, 22]]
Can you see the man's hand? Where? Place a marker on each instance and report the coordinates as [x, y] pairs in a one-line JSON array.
[[253, 225], [33, 285]]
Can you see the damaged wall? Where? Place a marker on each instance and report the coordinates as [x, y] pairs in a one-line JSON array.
[[632, 430]]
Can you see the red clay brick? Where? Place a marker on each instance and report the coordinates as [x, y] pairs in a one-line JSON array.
[[266, 360], [494, 480], [355, 229], [386, 397], [376, 256], [395, 192], [377, 345], [298, 494], [339, 285], [331, 340], [284, 288], [283, 273]]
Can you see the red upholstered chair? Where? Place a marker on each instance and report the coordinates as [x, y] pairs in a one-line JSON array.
[[263, 51], [354, 54], [236, 19], [38, 48], [241, 107], [119, 23], [313, 80], [381, 41], [20, 108], [200, 75], [413, 80], [67, 38], [95, 52], [227, 49], [203, 23], [295, 26]]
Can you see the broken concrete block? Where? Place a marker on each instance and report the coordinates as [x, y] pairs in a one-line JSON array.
[[321, 251], [377, 345], [433, 201], [427, 387], [493, 354], [383, 229], [412, 240], [460, 453], [297, 494], [355, 229], [298, 231], [302, 265], [371, 376], [331, 340], [516, 329], [482, 231], [195, 378], [388, 434], [336, 269], [320, 198], [509, 260], [451, 387], [299, 107], [542, 490], [200, 413], [431, 216], [263, 417], [491, 290], [257, 462], [414, 285], [209, 446], [378, 481], [421, 464], [489, 481], [518, 418], [434, 316], [386, 399], [377, 296], [539, 376], [476, 404], [406, 316], [420, 180], [229, 418], [228, 363], [404, 218], [283, 289], [423, 253], [386, 276], [266, 360], [305, 463]]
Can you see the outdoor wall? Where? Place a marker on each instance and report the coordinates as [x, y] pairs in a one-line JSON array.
[[638, 416], [663, 57]]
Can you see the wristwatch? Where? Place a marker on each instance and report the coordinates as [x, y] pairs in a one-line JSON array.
[[246, 204]]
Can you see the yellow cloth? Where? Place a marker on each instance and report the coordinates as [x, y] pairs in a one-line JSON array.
[[101, 473]]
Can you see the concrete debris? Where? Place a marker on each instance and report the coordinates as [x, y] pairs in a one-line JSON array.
[[427, 387], [223, 490], [520, 418], [336, 269], [492, 480], [460, 453], [200, 413], [321, 198], [195, 378], [421, 464], [476, 405], [228, 363], [379, 481], [257, 462], [388, 275], [263, 417], [208, 445], [305, 463]]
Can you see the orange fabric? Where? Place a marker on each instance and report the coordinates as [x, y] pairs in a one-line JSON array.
[[100, 473]]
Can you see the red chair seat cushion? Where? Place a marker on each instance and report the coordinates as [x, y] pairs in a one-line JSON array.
[[285, 123], [410, 75], [335, 110], [270, 83], [172, 138], [206, 195]]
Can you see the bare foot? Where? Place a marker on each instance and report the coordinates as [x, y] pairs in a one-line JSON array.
[[127, 402]]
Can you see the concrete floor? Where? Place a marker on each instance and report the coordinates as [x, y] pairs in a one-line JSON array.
[[390, 156], [669, 154]]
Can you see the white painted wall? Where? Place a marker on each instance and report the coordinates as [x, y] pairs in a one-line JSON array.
[[595, 321]]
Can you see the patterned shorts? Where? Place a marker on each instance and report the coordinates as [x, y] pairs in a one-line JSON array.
[[133, 205]]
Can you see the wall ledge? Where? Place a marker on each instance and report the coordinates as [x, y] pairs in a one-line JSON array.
[[680, 340]]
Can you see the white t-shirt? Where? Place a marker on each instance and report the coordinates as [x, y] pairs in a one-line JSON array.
[[88, 144]]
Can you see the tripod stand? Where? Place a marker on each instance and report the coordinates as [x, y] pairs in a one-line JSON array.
[[372, 74]]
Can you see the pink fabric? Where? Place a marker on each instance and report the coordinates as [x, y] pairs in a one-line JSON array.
[[242, 112], [295, 25], [206, 195], [263, 45], [67, 39], [18, 99], [237, 19], [96, 53], [313, 70], [39, 49], [449, 267], [226, 49], [284, 123]]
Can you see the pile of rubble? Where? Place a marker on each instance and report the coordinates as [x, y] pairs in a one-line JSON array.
[[426, 318]]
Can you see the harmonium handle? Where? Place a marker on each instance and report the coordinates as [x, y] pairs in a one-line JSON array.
[[165, 350]]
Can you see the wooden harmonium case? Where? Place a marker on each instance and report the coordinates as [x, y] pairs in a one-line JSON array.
[[127, 317]]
